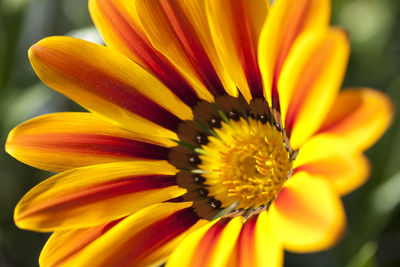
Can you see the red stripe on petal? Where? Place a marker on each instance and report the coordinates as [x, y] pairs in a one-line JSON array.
[[137, 42], [86, 237], [103, 85], [101, 192], [157, 235], [192, 46], [247, 50], [350, 113], [205, 247], [298, 15], [328, 167], [246, 242], [309, 77], [91, 144], [295, 208]]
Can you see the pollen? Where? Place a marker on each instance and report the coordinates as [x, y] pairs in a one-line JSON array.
[[247, 165]]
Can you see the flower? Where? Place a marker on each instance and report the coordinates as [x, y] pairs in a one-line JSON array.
[[216, 135]]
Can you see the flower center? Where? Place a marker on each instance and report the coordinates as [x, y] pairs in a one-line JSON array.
[[233, 157], [248, 165]]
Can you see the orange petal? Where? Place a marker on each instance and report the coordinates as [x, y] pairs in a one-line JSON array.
[[169, 29], [236, 36], [119, 25], [310, 81], [286, 21], [106, 82], [63, 246], [307, 215], [145, 238], [339, 163], [358, 117], [96, 194], [257, 245], [211, 245], [62, 141]]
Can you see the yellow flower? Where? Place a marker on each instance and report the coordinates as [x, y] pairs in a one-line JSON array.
[[216, 135]]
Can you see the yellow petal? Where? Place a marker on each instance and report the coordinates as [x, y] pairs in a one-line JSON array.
[[358, 117], [236, 35], [257, 245], [96, 194], [209, 246], [119, 24], [310, 81], [142, 238], [61, 141], [169, 31], [106, 82], [286, 21], [338, 162], [195, 12], [63, 246], [307, 215]]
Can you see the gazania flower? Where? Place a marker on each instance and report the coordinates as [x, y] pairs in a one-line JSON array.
[[216, 135]]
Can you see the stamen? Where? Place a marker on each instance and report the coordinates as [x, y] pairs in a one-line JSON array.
[[252, 168]]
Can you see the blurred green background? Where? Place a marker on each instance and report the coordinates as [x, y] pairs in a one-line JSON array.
[[373, 233]]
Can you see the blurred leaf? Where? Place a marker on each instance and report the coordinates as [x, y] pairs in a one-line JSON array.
[[374, 28], [10, 25], [33, 101], [12, 6], [393, 159], [365, 257], [386, 198], [377, 209]]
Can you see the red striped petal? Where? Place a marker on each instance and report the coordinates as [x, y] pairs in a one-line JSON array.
[[62, 141], [257, 244], [192, 46], [359, 117], [236, 35], [87, 196], [142, 239], [63, 246], [104, 81], [211, 245], [286, 21], [121, 30]]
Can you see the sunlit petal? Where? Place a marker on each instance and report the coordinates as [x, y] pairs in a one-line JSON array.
[[108, 83], [310, 82], [119, 24], [61, 141], [358, 117], [236, 35], [145, 238], [96, 194], [307, 214], [346, 168], [209, 246], [286, 21]]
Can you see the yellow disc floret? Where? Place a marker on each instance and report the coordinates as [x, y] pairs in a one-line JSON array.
[[246, 163]]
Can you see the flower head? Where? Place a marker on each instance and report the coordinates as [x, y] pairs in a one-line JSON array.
[[216, 135]]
